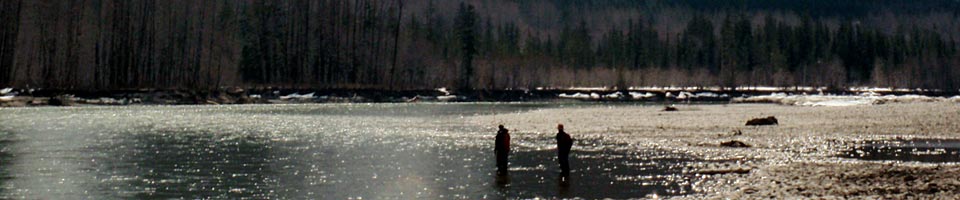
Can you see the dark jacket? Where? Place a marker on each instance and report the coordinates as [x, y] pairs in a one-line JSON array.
[[502, 141], [564, 142]]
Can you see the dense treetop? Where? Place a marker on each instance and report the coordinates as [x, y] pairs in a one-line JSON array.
[[477, 44]]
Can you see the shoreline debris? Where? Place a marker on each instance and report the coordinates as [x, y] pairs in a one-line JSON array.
[[735, 143], [763, 121]]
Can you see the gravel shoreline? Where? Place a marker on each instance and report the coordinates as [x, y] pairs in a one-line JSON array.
[[796, 159]]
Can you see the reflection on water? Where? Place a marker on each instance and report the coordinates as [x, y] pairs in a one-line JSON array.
[[597, 174], [335, 151], [919, 150], [194, 165]]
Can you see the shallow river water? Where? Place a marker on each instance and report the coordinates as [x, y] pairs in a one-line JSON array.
[[327, 151], [914, 150]]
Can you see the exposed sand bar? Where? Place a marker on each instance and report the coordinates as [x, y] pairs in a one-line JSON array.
[[794, 159]]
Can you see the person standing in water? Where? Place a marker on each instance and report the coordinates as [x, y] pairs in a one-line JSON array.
[[564, 143], [502, 149]]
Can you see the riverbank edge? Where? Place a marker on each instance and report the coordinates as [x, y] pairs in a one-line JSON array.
[[59, 97]]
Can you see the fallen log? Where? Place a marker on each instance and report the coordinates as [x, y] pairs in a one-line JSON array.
[[763, 121]]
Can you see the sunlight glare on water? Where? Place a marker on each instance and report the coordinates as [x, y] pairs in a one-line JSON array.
[[913, 150], [330, 151]]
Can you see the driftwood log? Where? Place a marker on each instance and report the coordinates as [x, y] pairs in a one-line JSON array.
[[763, 121]]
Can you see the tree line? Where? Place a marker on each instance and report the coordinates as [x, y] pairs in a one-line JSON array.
[[398, 44]]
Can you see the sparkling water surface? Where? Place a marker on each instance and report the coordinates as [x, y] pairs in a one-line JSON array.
[[327, 151], [911, 150]]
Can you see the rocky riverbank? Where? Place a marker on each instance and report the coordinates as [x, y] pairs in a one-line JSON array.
[[16, 98], [11, 97]]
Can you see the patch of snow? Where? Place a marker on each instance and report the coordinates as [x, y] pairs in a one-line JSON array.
[[615, 95], [644, 88], [661, 88], [575, 96], [444, 91], [298, 96], [778, 89], [808, 88], [588, 88], [835, 100], [7, 94], [690, 95], [740, 88], [871, 89], [710, 95], [713, 88], [902, 90], [685, 95], [637, 95], [447, 97], [255, 96], [759, 88], [870, 94], [798, 89]]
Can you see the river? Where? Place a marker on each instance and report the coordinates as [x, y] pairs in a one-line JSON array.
[[326, 151]]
